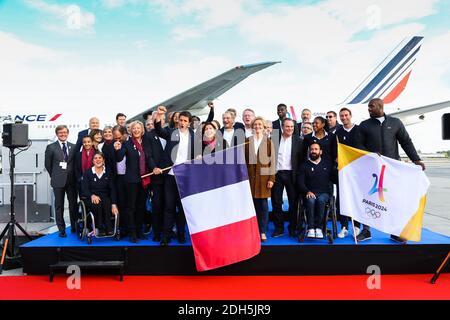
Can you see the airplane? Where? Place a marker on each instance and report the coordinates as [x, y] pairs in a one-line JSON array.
[[387, 81], [41, 125]]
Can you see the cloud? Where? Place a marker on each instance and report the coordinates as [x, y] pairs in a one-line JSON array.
[[182, 33], [112, 4], [71, 18], [368, 14]]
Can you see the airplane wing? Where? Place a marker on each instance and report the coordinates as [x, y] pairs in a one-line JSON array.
[[419, 112], [195, 99]]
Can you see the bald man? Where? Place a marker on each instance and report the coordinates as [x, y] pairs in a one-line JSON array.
[[382, 134]]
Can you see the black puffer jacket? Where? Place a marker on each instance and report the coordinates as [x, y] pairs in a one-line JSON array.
[[383, 138]]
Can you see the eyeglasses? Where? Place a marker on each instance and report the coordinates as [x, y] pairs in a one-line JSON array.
[[329, 117]]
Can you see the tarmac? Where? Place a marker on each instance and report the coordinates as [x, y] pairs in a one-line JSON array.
[[437, 209]]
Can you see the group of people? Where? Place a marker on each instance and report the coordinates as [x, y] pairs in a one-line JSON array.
[[105, 167]]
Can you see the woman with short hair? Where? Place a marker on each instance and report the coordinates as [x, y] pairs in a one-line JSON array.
[[136, 151], [260, 159]]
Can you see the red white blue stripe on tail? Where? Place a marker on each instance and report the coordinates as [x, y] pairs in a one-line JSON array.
[[389, 79]]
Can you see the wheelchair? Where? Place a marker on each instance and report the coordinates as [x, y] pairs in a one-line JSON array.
[[330, 215], [85, 225]]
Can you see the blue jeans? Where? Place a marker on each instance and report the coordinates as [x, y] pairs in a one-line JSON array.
[[315, 210], [262, 213]]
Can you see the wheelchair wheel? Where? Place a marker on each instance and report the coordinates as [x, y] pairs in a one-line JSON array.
[[333, 216], [80, 227]]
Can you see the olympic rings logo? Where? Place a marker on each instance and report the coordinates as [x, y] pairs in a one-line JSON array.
[[371, 213]]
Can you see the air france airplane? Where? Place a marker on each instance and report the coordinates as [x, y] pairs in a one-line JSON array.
[[387, 81]]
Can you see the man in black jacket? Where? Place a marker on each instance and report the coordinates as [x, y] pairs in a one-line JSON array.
[[380, 133], [289, 154], [156, 162], [180, 147]]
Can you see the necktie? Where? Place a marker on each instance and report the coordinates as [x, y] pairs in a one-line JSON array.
[[65, 152]]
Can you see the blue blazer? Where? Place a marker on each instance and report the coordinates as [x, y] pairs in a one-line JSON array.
[[172, 136], [103, 187], [132, 174]]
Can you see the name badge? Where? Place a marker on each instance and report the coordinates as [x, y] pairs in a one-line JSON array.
[[63, 165]]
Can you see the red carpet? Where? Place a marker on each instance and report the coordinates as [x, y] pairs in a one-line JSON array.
[[226, 287]]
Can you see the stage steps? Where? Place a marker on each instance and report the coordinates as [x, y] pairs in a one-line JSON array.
[[93, 264]]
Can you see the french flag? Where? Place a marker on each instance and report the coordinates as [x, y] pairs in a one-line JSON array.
[[217, 201]]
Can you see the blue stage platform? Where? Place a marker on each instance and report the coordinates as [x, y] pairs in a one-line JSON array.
[[378, 238]]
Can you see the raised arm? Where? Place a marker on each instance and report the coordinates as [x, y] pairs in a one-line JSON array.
[[211, 112], [160, 131]]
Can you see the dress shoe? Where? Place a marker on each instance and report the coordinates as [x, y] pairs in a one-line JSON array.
[[73, 230], [277, 233], [62, 234], [397, 239], [181, 238], [164, 242]]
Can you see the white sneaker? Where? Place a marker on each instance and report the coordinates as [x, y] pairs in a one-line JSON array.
[[311, 233], [343, 233], [357, 231], [319, 234], [263, 237]]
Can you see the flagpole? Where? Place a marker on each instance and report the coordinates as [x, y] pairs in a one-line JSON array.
[[168, 168], [151, 173], [354, 233]]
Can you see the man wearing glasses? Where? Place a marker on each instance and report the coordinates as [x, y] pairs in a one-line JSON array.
[[333, 125]]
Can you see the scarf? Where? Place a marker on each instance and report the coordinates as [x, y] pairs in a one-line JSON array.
[[142, 165], [86, 159], [211, 144]]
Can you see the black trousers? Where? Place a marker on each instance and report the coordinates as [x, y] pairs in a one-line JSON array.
[[122, 202], [102, 214], [158, 208], [284, 179], [172, 202], [136, 197], [71, 190]]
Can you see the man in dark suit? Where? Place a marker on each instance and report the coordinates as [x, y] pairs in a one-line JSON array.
[[289, 153], [180, 148], [59, 162], [277, 125], [156, 160], [94, 123]]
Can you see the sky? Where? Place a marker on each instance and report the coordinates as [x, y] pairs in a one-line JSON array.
[[128, 55]]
